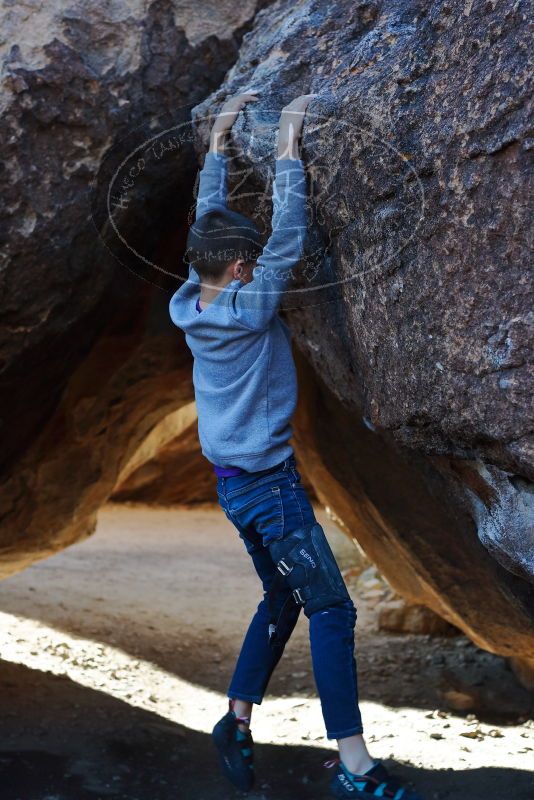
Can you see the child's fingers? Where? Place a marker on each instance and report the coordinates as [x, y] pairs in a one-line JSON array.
[[238, 101], [299, 103], [245, 98], [235, 104]]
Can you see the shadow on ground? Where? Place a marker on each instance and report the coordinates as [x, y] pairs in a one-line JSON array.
[[85, 745]]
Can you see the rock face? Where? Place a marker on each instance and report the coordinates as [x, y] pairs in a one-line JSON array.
[[409, 314], [169, 467], [400, 507], [88, 360]]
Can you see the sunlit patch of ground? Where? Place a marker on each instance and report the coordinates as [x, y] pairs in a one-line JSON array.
[[117, 654]]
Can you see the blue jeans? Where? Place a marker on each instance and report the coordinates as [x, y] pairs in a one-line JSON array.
[[265, 506]]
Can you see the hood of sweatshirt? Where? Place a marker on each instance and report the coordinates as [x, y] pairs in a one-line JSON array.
[[183, 310]]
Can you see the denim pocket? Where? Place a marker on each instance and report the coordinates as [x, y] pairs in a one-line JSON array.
[[263, 511]]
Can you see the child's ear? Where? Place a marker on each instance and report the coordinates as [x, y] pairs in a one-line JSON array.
[[238, 267]]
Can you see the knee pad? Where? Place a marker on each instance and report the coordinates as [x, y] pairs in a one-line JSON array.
[[306, 561]]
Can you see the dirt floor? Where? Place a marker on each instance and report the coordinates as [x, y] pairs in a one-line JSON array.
[[116, 656]]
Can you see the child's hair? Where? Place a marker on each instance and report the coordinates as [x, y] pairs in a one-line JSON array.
[[219, 237]]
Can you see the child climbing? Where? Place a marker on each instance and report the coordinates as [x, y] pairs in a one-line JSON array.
[[246, 391]]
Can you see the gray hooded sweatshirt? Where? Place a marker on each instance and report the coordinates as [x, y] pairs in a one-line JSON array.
[[244, 375]]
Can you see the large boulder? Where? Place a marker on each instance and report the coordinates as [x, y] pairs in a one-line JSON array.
[[411, 308], [89, 361]]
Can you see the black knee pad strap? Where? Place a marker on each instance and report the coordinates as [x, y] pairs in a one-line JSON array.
[[306, 561], [283, 611]]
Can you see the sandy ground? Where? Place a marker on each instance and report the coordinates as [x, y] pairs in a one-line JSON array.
[[116, 656]]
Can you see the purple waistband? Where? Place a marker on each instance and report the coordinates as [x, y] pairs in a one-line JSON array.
[[227, 472]]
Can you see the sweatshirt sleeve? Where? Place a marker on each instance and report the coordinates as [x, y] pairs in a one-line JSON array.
[[255, 303], [212, 192], [213, 184]]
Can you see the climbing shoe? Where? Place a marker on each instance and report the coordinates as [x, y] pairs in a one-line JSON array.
[[376, 782], [235, 749]]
